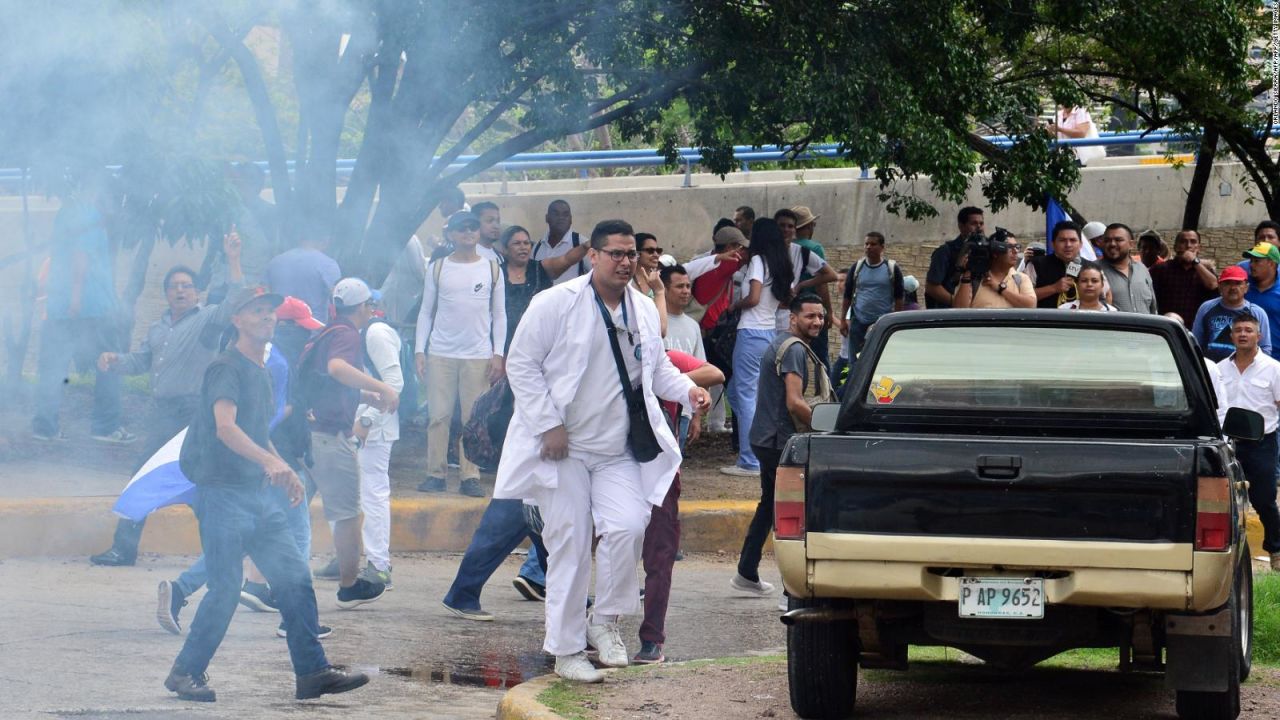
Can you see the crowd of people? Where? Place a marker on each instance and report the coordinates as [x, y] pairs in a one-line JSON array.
[[580, 364]]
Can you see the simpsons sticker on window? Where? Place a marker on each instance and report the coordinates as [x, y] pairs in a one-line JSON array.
[[885, 391]]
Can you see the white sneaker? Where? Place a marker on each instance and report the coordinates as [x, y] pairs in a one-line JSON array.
[[718, 430], [577, 668], [738, 471], [743, 585], [607, 640], [783, 605]]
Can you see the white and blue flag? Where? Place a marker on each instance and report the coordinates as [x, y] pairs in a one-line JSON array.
[[157, 483]]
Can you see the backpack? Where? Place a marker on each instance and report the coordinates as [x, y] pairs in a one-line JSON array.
[[856, 272], [484, 433], [576, 240], [814, 368], [408, 393], [721, 340], [304, 385]]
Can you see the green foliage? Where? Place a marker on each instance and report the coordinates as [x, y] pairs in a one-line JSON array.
[[1266, 618]]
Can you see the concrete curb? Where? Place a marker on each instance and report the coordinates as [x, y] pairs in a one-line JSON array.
[[34, 527], [521, 702], [38, 527]]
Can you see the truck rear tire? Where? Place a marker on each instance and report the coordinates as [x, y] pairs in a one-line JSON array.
[[1244, 614], [1225, 705], [822, 665]]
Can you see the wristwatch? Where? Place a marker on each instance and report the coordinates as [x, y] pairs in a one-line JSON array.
[[366, 422], [1004, 285], [1195, 261]]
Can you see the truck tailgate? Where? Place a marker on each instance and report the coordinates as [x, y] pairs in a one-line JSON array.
[[997, 487]]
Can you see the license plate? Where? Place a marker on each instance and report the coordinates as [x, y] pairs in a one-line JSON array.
[[997, 597]]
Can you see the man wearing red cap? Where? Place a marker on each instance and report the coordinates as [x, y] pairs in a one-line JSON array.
[[1212, 324]]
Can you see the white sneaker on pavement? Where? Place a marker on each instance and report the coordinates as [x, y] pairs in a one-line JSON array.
[[607, 640], [577, 668], [745, 586]]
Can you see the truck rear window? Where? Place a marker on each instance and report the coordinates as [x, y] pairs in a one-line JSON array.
[[1022, 367]]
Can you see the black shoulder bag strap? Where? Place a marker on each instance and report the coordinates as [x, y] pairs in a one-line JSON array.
[[640, 438]]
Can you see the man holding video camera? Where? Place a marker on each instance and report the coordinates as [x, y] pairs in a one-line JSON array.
[[990, 278], [1054, 275]]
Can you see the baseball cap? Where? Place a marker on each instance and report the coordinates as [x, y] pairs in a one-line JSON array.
[[460, 219], [299, 312], [352, 291], [1264, 251], [1233, 272], [910, 284], [1093, 230], [240, 298]]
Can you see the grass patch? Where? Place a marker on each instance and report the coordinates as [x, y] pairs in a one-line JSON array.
[[566, 700], [1266, 618]]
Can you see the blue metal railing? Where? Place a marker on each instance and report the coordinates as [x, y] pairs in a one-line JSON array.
[[687, 157]]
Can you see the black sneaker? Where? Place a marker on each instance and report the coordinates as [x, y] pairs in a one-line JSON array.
[[531, 590], [190, 687], [650, 653], [328, 681], [325, 631], [471, 488], [360, 592], [114, 558], [257, 597], [169, 602], [431, 485]]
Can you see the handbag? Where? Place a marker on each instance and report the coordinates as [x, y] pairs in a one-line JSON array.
[[484, 433], [641, 440]]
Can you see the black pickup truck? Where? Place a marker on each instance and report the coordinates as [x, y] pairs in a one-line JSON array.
[[1015, 484]]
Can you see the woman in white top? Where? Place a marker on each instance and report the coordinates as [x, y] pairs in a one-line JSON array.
[[767, 285], [1089, 291]]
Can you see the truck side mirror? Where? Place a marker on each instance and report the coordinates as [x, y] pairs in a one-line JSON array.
[[1239, 423], [825, 415]]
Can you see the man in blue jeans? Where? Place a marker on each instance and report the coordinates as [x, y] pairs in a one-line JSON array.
[[501, 529], [228, 455]]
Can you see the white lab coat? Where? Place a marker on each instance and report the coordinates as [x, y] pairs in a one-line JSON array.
[[550, 347]]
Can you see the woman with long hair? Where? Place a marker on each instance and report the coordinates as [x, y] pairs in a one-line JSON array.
[[767, 286]]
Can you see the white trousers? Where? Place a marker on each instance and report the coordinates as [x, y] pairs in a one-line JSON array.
[[600, 492], [375, 502]]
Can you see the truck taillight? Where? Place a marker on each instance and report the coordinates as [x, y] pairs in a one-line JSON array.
[[788, 503], [1213, 514]]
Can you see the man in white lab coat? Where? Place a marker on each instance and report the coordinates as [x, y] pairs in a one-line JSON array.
[[567, 451]]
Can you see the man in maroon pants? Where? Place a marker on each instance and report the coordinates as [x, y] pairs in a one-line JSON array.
[[662, 536]]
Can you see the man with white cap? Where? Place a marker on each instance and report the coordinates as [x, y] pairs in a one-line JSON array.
[[1092, 233], [332, 387]]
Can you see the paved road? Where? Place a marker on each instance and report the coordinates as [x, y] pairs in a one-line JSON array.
[[81, 641]]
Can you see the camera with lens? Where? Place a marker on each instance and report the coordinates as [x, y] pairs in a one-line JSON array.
[[981, 248]]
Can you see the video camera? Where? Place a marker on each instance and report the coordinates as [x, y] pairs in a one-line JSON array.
[[980, 249]]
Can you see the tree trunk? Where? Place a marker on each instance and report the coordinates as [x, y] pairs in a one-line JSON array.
[[1200, 179]]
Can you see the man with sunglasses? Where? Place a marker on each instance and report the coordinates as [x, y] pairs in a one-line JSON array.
[[1002, 286], [461, 338], [568, 449]]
